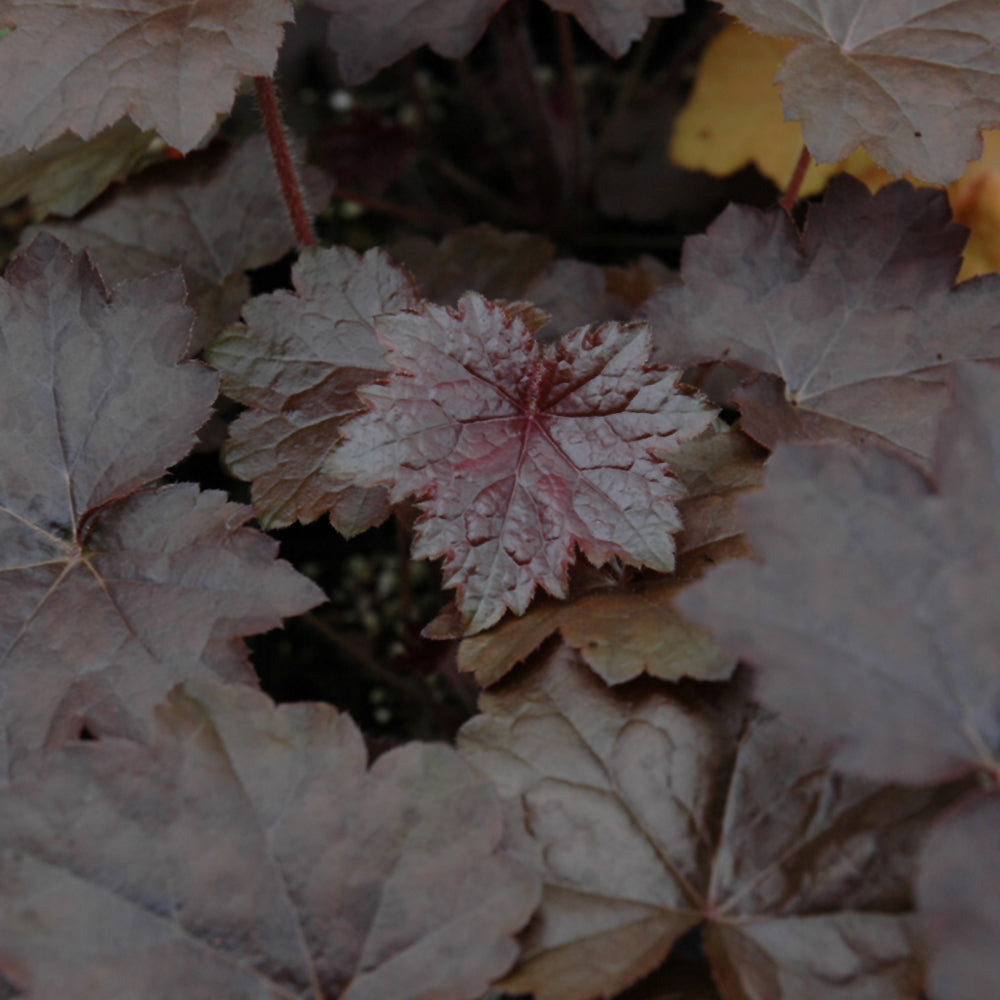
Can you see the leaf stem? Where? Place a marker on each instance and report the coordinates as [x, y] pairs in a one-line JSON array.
[[791, 195], [267, 100]]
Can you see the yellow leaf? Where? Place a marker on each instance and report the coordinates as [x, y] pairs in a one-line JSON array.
[[975, 202]]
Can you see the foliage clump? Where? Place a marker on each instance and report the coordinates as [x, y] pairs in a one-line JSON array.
[[747, 743]]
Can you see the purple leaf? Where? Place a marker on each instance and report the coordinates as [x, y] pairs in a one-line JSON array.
[[112, 591], [249, 851], [871, 610], [847, 329], [167, 64], [520, 452], [911, 82]]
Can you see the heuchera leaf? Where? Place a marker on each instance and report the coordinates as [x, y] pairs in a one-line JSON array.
[[858, 320], [169, 65], [911, 82], [958, 895], [248, 851], [297, 361], [619, 631], [110, 591], [654, 810], [871, 611], [216, 215], [518, 452]]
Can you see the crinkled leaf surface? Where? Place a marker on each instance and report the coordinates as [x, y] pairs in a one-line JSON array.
[[111, 592], [369, 36], [68, 173], [622, 631], [170, 65], [871, 609], [296, 361], [850, 330], [518, 452], [958, 895], [911, 82], [248, 851], [216, 215], [655, 809], [616, 24]]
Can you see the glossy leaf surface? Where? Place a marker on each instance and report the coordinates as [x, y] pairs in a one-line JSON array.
[[519, 452]]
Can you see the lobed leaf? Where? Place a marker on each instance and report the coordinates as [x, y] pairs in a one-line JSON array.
[[519, 452], [620, 630], [655, 810], [911, 82], [297, 362], [846, 332], [870, 611], [248, 851], [170, 65], [111, 591]]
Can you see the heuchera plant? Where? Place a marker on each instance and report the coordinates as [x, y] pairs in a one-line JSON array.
[[722, 546]]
